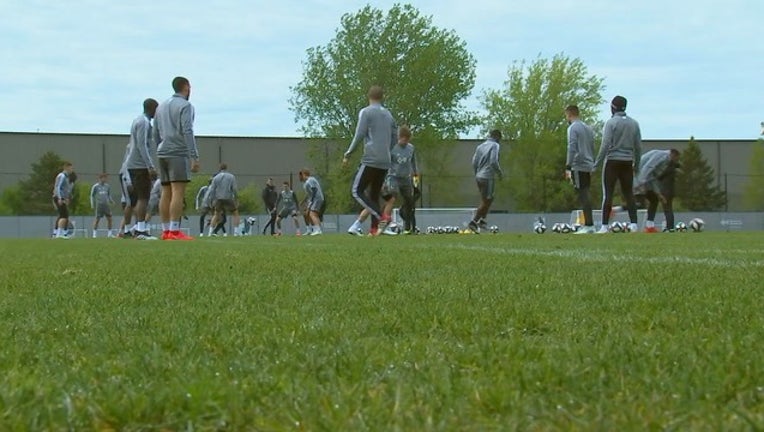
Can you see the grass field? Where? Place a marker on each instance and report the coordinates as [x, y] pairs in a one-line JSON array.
[[469, 333]]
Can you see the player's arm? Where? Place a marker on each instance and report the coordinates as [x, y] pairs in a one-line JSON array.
[[414, 169], [199, 197], [572, 147], [108, 190], [234, 189], [475, 162], [607, 137], [92, 195], [494, 155], [144, 142], [187, 128], [637, 149], [360, 131]]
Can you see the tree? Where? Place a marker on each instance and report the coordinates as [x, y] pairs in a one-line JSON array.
[[35, 194], [426, 73], [753, 195], [529, 111], [695, 189]]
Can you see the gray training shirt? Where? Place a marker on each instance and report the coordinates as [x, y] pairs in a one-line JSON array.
[[139, 148], [580, 147], [378, 130], [174, 125], [100, 194], [223, 187], [402, 161], [286, 200], [61, 189], [485, 161], [313, 189], [621, 140]]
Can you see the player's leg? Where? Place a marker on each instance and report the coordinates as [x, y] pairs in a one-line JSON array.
[[109, 223], [626, 179], [652, 208], [236, 219], [96, 222], [314, 212], [166, 198], [63, 220], [406, 191], [217, 216], [668, 211], [609, 177], [296, 222], [179, 173]]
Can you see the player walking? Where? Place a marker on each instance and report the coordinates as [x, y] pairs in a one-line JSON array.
[[140, 166], [286, 203], [178, 156], [101, 201], [62, 194], [223, 195], [621, 151], [315, 202], [270, 196], [485, 165], [580, 163], [377, 129]]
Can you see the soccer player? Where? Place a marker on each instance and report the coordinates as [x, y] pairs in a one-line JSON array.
[[223, 194], [202, 205], [485, 165], [287, 205], [140, 165], [655, 182], [128, 203], [178, 156], [62, 194], [621, 151], [315, 202], [100, 194], [270, 196], [398, 183], [377, 129], [580, 163]]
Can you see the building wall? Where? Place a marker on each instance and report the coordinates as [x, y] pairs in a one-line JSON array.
[[254, 159]]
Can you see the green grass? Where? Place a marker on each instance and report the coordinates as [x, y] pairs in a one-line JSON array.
[[470, 333]]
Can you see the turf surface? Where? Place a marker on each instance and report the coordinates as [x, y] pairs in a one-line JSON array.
[[452, 332]]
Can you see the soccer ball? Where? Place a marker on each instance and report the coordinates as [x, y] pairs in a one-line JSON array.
[[557, 228], [566, 229], [430, 230], [697, 225], [626, 227], [539, 228], [494, 229], [617, 227], [251, 220], [681, 227], [440, 230]]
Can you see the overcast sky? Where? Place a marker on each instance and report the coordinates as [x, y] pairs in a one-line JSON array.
[[687, 67]]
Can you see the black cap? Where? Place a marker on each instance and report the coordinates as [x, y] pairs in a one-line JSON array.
[[618, 103]]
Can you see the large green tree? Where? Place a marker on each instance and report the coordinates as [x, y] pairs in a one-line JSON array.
[[695, 188], [529, 110], [753, 195], [426, 72], [33, 195]]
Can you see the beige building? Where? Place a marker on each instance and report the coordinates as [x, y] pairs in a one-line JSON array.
[[253, 159]]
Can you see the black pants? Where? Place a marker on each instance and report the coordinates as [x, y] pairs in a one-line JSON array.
[[623, 173], [221, 224], [668, 208], [406, 192], [272, 221], [582, 181], [202, 217], [369, 178]]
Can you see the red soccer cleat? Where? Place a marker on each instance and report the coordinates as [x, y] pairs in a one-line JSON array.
[[651, 230], [165, 235], [179, 235]]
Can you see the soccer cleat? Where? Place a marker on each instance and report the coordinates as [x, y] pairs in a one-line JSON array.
[[473, 226], [63, 236], [317, 233], [586, 230], [356, 231], [603, 230], [144, 236], [634, 228], [482, 224], [373, 231], [389, 230], [179, 235], [166, 235], [651, 229]]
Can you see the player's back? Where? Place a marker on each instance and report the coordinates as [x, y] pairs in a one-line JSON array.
[[172, 139], [485, 157], [379, 136]]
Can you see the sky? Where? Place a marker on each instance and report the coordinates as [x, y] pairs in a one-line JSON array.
[[85, 66]]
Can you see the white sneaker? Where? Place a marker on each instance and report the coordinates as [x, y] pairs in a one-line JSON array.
[[145, 237], [390, 230], [634, 228], [63, 236], [316, 233], [603, 230], [356, 231], [586, 230]]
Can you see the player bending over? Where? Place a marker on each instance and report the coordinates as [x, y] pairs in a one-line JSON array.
[[655, 182]]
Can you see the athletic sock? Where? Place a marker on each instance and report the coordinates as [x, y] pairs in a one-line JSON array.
[[142, 226], [650, 224], [95, 233], [174, 226]]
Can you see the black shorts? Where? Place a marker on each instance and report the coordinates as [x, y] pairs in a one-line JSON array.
[[581, 179], [128, 192], [141, 181], [225, 205], [63, 210]]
